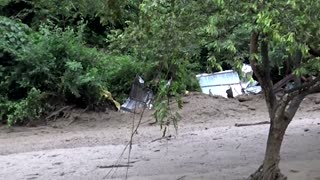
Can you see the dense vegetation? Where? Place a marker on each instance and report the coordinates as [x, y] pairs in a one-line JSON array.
[[50, 57], [59, 52], [53, 66]]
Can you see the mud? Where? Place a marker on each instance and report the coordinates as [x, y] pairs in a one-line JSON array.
[[207, 145]]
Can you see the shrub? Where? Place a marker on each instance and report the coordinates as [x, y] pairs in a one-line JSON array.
[[59, 63], [25, 109], [55, 67], [120, 72]]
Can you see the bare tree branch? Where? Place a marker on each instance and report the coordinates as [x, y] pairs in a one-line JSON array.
[[281, 106], [297, 63], [265, 61], [278, 85], [266, 78], [253, 52], [263, 72], [296, 97], [293, 106], [314, 89], [304, 87]]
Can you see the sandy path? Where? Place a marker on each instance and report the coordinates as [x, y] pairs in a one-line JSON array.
[[216, 153], [208, 147]]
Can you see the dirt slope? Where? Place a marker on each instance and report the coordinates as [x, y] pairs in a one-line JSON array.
[[207, 146]]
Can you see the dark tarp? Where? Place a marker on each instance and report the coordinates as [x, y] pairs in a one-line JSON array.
[[140, 97]]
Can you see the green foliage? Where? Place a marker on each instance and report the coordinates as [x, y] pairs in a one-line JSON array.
[[100, 16], [120, 72], [64, 11], [231, 23], [158, 39], [56, 66], [58, 62], [4, 2], [170, 34], [13, 35], [107, 10], [164, 38], [163, 110], [24, 110]]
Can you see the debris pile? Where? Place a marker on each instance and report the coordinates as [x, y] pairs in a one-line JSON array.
[[228, 83]]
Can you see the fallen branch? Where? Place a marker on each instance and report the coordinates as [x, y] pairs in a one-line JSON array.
[[165, 137], [314, 109], [277, 87], [181, 178], [73, 120], [115, 166], [129, 145], [251, 124], [56, 113], [238, 146]]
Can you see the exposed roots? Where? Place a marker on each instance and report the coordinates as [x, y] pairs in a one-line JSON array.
[[272, 173]]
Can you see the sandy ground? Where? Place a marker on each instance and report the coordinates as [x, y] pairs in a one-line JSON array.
[[207, 145]]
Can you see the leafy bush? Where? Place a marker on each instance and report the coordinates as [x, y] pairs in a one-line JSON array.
[[58, 62], [25, 109], [14, 35], [56, 67], [120, 72]]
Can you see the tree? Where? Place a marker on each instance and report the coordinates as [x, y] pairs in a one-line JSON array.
[[100, 17], [165, 35], [238, 30], [274, 37], [295, 33]]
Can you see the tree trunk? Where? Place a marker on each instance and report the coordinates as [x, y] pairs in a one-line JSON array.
[[270, 167]]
